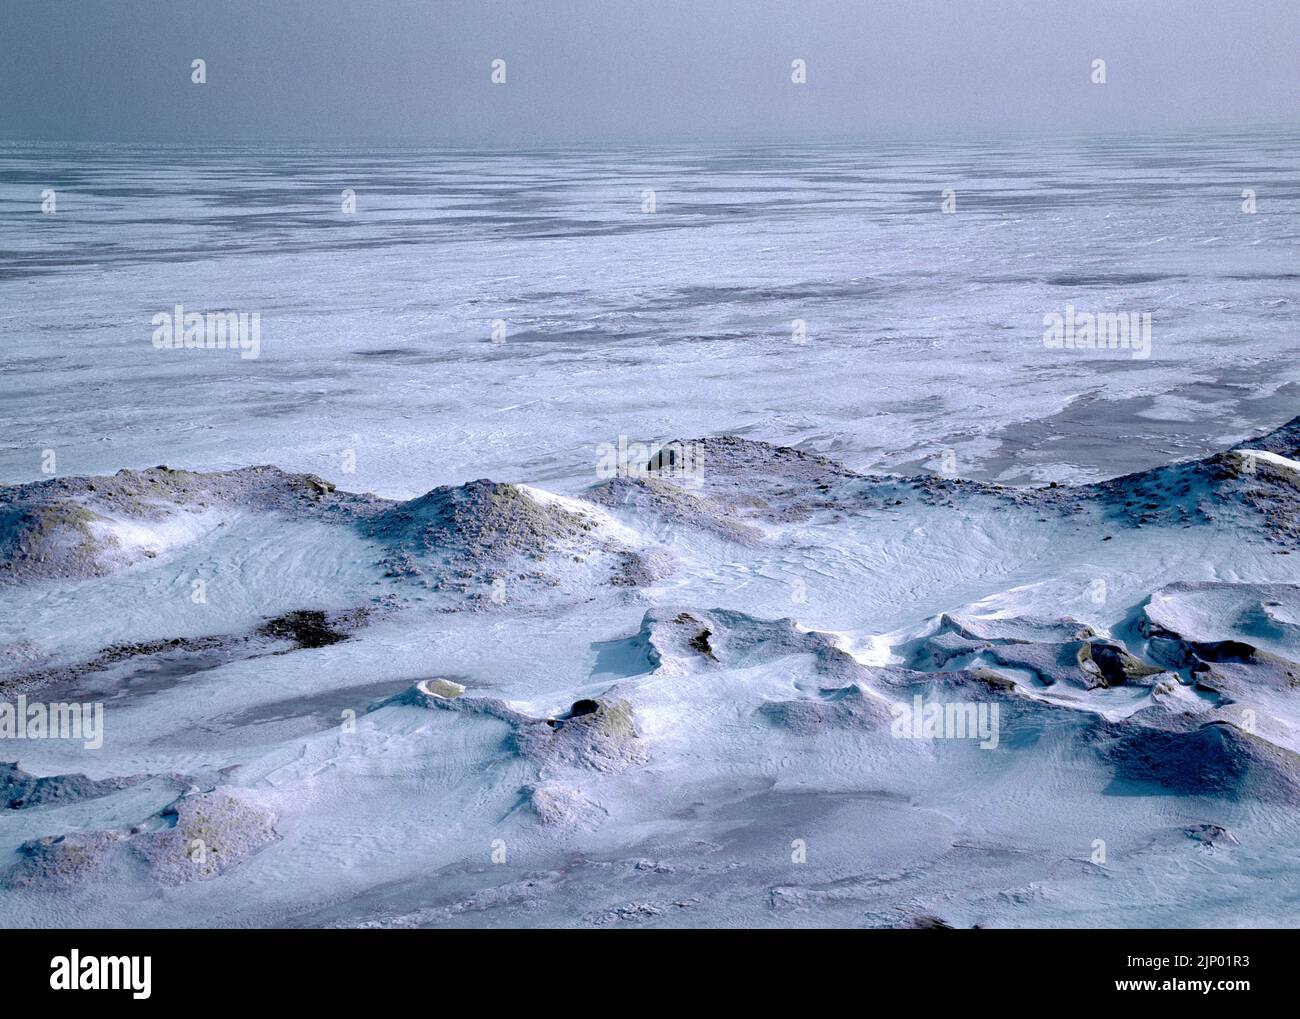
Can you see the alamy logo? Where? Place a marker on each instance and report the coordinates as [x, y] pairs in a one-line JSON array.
[[132, 973], [946, 720], [1082, 330], [179, 329], [34, 720]]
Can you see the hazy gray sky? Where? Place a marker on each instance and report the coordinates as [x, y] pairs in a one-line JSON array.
[[618, 70]]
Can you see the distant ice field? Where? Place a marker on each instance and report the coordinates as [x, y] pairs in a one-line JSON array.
[[923, 330]]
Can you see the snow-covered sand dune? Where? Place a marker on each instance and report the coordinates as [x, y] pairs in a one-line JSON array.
[[792, 693]]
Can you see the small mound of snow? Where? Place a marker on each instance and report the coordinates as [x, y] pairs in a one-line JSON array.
[[207, 834], [62, 862], [1216, 759], [78, 527], [599, 734]]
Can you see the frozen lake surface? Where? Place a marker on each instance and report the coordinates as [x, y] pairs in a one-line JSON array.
[[924, 330]]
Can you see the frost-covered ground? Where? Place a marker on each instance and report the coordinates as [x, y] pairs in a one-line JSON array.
[[680, 691]]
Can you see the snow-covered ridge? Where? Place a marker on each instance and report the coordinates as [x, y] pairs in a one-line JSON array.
[[79, 526], [668, 685]]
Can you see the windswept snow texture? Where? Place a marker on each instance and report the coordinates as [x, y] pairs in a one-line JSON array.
[[612, 753], [381, 646]]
